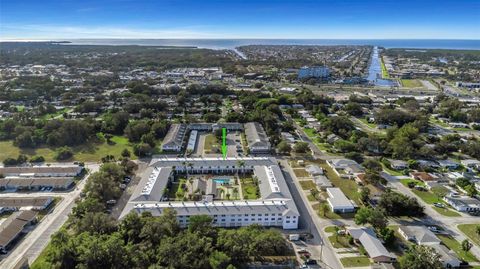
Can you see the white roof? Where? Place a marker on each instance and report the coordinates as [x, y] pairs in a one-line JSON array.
[[338, 199]]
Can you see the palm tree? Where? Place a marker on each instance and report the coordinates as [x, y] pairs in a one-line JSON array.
[[235, 194]]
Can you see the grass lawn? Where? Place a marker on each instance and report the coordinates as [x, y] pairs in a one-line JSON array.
[[470, 230], [348, 187], [249, 189], [369, 124], [330, 229], [355, 261], [307, 184], [454, 245], [92, 151], [311, 198], [311, 133], [384, 70], [438, 122], [447, 212], [339, 241], [323, 211], [211, 144], [391, 171], [411, 83], [300, 172]]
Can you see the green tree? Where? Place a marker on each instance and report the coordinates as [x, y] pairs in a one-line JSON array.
[[284, 147], [466, 245], [420, 257], [301, 147]]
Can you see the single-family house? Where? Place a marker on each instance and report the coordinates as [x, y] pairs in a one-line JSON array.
[[338, 202]]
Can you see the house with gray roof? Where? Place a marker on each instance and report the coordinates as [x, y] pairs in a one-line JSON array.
[[173, 141], [420, 235], [338, 202], [257, 139], [373, 246]]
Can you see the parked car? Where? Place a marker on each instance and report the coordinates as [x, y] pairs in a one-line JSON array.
[[439, 205], [111, 202], [123, 186], [302, 251], [311, 262]]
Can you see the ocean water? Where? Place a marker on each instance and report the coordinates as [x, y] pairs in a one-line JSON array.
[[233, 43]]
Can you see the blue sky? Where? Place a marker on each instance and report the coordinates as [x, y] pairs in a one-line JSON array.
[[343, 19]]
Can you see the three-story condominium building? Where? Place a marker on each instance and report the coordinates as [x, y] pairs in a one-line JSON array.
[[274, 207]]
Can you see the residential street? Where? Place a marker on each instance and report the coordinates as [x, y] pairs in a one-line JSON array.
[[449, 224], [310, 222]]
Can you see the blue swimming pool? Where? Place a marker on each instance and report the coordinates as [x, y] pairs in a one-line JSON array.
[[222, 180]]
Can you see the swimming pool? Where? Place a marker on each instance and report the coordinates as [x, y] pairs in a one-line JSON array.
[[222, 180]]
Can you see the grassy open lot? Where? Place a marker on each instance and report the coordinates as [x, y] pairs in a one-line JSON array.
[[311, 133], [391, 171], [92, 151], [300, 172], [211, 144], [330, 229], [430, 198], [454, 245], [249, 189], [307, 184], [384, 70], [355, 261], [339, 241], [470, 230], [411, 83], [447, 212], [348, 187], [369, 124], [323, 211]]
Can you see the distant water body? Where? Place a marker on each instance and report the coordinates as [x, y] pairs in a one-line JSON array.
[[233, 43]]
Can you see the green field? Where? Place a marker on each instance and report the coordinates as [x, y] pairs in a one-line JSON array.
[[446, 212], [411, 83], [339, 241], [330, 229], [307, 184], [90, 152], [384, 70], [454, 245], [328, 214], [470, 230], [355, 261], [300, 172], [211, 144], [430, 198], [249, 189], [348, 187]]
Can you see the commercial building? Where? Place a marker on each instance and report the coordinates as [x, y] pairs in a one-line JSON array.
[[313, 72], [257, 139], [275, 207], [338, 202]]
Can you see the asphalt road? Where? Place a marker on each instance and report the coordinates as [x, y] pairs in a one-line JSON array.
[[321, 249]]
